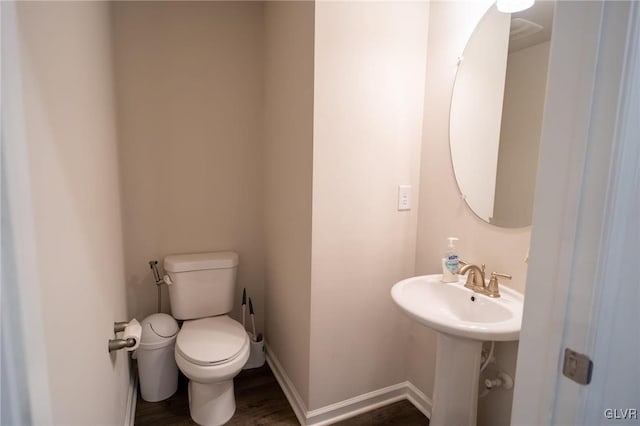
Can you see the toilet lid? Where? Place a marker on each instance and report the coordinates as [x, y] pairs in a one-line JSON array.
[[210, 341]]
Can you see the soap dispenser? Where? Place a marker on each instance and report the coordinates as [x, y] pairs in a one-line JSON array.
[[450, 262]]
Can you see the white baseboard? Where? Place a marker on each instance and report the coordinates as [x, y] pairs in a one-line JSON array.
[[299, 408], [419, 400], [360, 404], [350, 407], [132, 399]]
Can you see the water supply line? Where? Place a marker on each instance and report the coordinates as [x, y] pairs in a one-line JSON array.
[[500, 379], [159, 281], [488, 358], [484, 365]]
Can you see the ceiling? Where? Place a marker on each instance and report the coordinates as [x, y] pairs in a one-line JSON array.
[[540, 13]]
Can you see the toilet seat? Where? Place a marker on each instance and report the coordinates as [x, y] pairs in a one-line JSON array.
[[211, 341]]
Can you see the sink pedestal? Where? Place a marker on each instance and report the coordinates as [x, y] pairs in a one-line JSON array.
[[455, 395], [463, 319]]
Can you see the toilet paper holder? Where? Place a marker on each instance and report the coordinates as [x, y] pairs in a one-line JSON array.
[[117, 344]]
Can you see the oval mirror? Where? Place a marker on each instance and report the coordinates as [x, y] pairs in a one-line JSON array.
[[496, 113]]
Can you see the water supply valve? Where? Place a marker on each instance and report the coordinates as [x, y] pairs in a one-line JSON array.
[[502, 380]]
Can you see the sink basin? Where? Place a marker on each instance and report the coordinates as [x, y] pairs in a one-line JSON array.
[[463, 320], [455, 310]]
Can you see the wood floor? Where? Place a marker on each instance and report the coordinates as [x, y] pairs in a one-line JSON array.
[[260, 401]]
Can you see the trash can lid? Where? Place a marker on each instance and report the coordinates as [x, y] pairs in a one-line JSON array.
[[157, 328]]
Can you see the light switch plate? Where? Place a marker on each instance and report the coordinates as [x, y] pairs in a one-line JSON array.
[[404, 197]]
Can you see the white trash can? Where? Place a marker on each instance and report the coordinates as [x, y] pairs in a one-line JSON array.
[[156, 360]]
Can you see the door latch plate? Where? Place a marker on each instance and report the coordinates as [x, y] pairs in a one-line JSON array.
[[578, 367]]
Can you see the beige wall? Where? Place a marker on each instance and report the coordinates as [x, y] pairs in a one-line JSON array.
[[369, 80], [443, 213], [287, 156], [189, 89], [200, 172], [525, 87], [71, 138]]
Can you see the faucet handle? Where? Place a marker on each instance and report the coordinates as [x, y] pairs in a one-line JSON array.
[[497, 274], [493, 288]]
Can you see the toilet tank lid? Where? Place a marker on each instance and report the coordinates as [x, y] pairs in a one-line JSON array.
[[200, 261]]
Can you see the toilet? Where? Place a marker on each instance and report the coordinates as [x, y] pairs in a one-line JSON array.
[[211, 348]]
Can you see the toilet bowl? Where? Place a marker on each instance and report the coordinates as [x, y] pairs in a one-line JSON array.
[[211, 348], [211, 352]]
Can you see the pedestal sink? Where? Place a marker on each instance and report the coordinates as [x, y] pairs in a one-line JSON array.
[[463, 320]]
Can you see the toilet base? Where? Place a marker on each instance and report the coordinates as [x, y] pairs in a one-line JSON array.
[[211, 404]]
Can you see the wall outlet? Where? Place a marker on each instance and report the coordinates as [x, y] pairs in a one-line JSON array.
[[404, 197]]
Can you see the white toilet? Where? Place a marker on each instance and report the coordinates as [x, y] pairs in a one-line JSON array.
[[211, 348]]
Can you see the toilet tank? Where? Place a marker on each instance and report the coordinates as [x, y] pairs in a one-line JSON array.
[[201, 284]]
